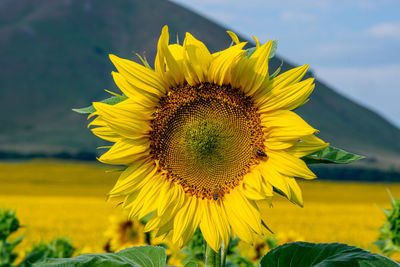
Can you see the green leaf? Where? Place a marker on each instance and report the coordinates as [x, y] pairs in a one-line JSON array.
[[251, 50], [9, 223], [111, 101], [303, 254], [191, 264], [146, 256], [331, 155], [32, 258]]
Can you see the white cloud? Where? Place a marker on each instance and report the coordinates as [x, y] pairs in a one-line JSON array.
[[385, 30]]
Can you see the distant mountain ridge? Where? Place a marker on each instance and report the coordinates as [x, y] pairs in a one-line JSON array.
[[55, 57]]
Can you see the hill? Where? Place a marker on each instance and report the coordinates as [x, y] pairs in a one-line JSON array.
[[54, 58]]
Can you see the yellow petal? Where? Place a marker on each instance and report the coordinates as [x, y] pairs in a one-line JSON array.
[[187, 219], [284, 125], [104, 131], [306, 146], [169, 195], [257, 41], [132, 178], [288, 165], [218, 216], [134, 93], [197, 60], [177, 52], [140, 76], [288, 98], [208, 227], [125, 151], [153, 223], [234, 37], [238, 224], [285, 79], [166, 60], [296, 195], [240, 205], [136, 205], [252, 72], [253, 187], [126, 118], [165, 228], [167, 218], [221, 67], [274, 178], [151, 199], [263, 207]]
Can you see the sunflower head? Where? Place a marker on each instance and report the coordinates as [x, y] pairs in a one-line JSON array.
[[123, 233], [207, 138]]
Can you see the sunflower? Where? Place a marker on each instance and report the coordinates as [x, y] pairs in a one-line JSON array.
[[206, 138], [123, 233]]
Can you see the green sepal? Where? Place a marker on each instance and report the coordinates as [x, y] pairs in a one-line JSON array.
[[136, 256], [273, 75], [331, 155], [273, 49], [111, 101], [251, 50], [304, 254], [280, 192], [117, 170], [144, 61]]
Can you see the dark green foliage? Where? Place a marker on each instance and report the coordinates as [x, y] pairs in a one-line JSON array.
[[389, 238], [195, 249], [195, 252], [8, 224], [272, 242], [131, 257], [333, 155], [57, 248], [303, 254]]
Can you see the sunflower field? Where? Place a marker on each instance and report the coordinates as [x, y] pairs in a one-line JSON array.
[[67, 199]]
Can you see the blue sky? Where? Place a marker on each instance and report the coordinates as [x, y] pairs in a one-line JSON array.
[[353, 45]]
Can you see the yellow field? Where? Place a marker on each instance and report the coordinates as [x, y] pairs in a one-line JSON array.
[[61, 198]]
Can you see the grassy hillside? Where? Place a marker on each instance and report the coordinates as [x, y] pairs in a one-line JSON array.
[[54, 58]]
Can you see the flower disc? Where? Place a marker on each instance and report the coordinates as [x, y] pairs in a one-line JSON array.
[[206, 138]]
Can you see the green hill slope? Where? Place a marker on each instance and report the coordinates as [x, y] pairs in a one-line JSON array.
[[54, 58]]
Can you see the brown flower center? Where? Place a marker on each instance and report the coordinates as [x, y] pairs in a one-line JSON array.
[[206, 138]]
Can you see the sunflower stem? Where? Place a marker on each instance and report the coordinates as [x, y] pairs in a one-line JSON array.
[[223, 254], [213, 258]]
